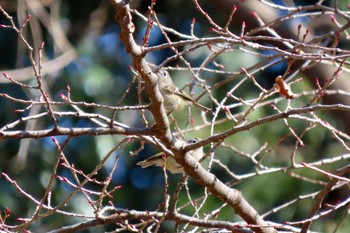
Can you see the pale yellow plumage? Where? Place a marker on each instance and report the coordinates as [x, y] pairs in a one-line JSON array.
[[171, 164], [174, 98]]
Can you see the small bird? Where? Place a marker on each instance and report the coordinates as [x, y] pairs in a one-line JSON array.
[[174, 98], [171, 164]]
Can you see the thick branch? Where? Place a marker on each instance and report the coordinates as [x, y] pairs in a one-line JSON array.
[[321, 195], [74, 132], [124, 215], [123, 17], [231, 196], [271, 118]]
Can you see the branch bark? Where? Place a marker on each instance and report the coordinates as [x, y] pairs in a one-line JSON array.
[[231, 196], [123, 17]]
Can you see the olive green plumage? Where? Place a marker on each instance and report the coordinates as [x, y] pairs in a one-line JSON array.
[[171, 164], [173, 97]]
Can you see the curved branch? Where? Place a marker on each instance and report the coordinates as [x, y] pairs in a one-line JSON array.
[[271, 118], [215, 186], [123, 17]]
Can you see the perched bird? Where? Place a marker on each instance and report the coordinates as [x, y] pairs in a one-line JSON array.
[[174, 98], [171, 164]]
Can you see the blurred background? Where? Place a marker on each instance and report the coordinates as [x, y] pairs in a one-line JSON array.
[[82, 38]]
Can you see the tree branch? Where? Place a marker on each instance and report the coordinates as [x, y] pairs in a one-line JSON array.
[[123, 17]]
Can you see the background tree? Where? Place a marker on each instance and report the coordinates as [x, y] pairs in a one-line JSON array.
[[81, 107]]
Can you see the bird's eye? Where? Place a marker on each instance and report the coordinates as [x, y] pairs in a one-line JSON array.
[[164, 73], [193, 140]]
